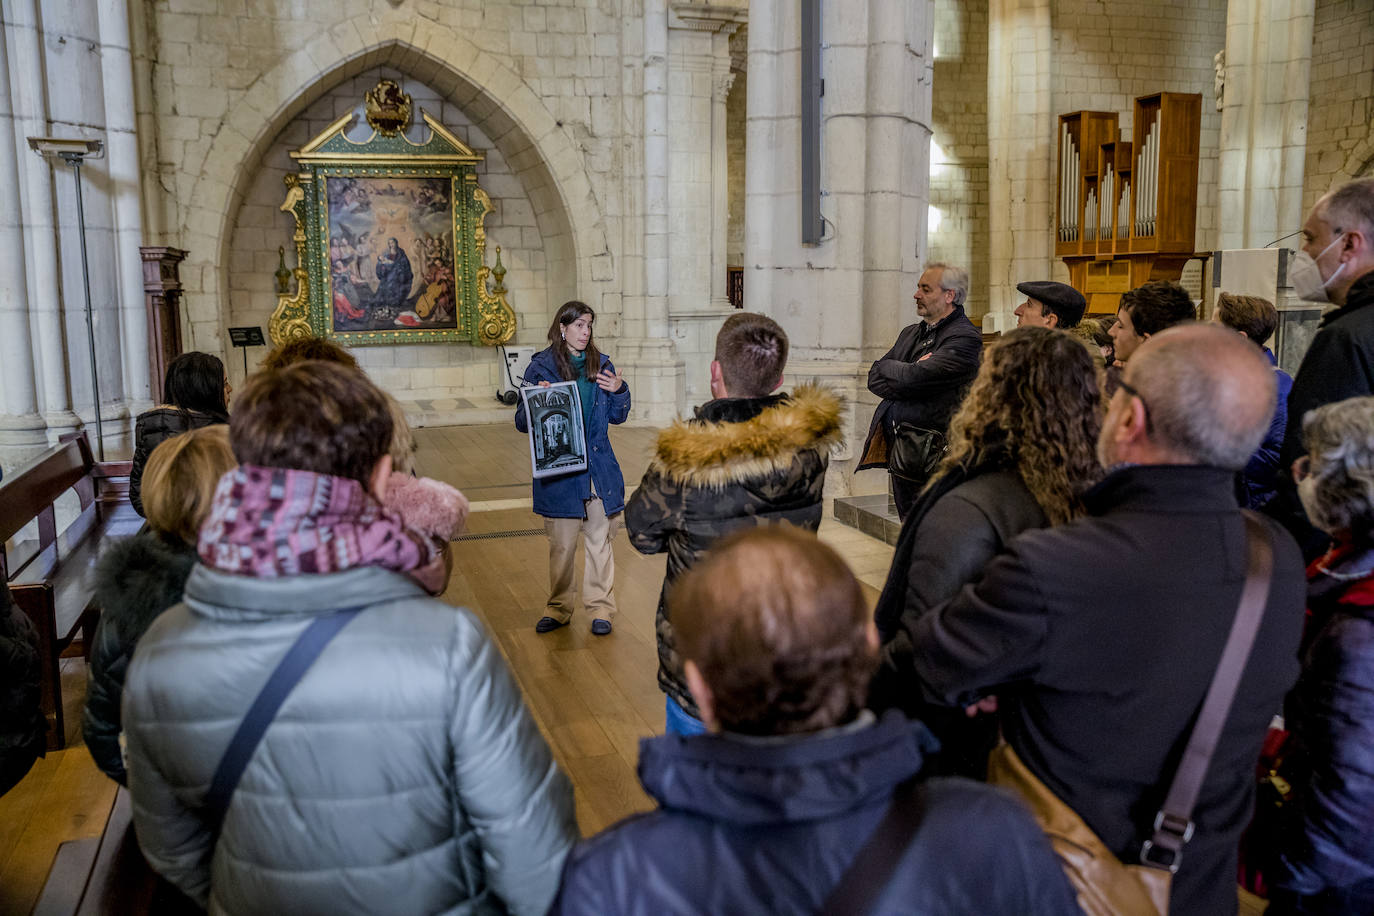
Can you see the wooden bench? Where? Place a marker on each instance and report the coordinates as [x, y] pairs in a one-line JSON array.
[[49, 576], [108, 876]]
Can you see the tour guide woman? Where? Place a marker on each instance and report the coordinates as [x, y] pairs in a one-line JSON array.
[[588, 501]]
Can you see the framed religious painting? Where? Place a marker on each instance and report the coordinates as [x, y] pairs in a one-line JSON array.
[[389, 236], [558, 439]]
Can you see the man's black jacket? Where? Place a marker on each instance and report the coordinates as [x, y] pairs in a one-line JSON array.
[[1338, 365], [921, 380], [1100, 638]]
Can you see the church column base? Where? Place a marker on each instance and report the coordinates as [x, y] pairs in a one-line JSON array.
[[657, 379], [21, 438]]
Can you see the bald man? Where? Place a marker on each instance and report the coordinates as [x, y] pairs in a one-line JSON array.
[[1099, 638]]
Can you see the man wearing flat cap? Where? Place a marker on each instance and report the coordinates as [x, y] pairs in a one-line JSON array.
[[1049, 305], [1057, 305]]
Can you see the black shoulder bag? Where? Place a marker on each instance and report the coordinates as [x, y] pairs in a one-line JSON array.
[[289, 671]]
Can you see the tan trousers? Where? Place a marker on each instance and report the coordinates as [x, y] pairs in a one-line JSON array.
[[598, 572]]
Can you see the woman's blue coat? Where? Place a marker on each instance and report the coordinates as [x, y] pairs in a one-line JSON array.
[[563, 496]]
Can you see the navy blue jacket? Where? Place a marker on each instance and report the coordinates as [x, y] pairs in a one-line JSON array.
[[563, 496], [770, 825], [1261, 475]]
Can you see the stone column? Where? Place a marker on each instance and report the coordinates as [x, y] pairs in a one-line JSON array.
[[645, 351], [22, 430], [27, 80], [1266, 72], [1020, 155], [121, 144], [843, 301], [698, 78], [721, 81]]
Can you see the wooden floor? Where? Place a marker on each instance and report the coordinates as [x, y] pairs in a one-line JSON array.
[[593, 697]]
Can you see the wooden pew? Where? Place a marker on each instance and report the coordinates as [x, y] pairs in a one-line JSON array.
[[108, 876], [49, 576]]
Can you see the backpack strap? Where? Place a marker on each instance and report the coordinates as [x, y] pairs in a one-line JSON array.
[[868, 876], [289, 671], [1173, 825]]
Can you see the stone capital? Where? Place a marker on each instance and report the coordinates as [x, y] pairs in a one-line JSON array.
[[695, 16]]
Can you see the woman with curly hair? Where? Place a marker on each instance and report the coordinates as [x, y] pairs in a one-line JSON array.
[[1022, 450]]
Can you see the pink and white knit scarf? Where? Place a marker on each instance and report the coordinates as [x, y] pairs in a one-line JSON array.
[[269, 522]]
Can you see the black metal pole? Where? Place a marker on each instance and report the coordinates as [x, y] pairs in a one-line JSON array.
[[812, 89], [75, 163]]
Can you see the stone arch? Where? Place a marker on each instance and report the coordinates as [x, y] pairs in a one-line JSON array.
[[545, 159], [1360, 162]]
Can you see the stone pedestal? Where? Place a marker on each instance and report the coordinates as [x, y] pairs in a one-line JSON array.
[[1264, 95]]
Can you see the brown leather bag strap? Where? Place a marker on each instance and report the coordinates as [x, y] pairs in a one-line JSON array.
[[1173, 824]]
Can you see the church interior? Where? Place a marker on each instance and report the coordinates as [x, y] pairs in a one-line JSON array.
[[426, 181]]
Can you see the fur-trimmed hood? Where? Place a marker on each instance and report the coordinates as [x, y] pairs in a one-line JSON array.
[[716, 454]]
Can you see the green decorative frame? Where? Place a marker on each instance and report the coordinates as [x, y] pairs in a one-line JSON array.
[[483, 314]]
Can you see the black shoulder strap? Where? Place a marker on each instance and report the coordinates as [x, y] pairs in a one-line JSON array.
[[863, 883], [289, 671], [1173, 825]]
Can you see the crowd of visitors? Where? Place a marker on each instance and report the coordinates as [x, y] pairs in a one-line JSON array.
[[1059, 704]]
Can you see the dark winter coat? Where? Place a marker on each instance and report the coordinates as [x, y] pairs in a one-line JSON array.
[[1100, 637], [921, 380], [23, 729], [1261, 477], [565, 496], [1338, 365], [154, 427], [741, 462], [946, 543], [1328, 841], [769, 825], [136, 579]]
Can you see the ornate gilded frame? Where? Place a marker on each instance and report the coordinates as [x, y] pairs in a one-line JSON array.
[[483, 314]]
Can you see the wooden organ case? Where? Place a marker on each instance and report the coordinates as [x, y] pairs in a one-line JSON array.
[[1127, 211]]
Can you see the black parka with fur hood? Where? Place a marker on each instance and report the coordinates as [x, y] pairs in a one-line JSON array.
[[741, 462], [136, 580], [23, 728]]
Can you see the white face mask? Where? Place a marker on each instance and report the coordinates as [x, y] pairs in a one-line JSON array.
[[1307, 495], [1306, 277]]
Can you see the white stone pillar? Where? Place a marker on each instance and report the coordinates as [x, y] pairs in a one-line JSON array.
[[1020, 154], [698, 78], [1263, 120], [842, 302], [123, 169], [27, 80], [721, 81], [645, 351], [22, 430]]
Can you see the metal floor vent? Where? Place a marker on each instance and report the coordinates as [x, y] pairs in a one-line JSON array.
[[489, 535]]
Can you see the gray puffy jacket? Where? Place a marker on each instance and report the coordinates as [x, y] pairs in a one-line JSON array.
[[402, 775]]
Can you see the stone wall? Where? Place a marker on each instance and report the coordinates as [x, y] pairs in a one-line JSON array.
[[958, 229], [1340, 124], [537, 87], [417, 371], [1108, 52]]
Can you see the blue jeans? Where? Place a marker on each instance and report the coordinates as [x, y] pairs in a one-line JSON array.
[[679, 722]]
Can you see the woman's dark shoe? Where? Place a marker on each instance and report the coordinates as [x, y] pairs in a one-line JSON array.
[[600, 627], [548, 624]]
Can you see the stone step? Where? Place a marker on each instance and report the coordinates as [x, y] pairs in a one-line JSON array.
[[874, 515]]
